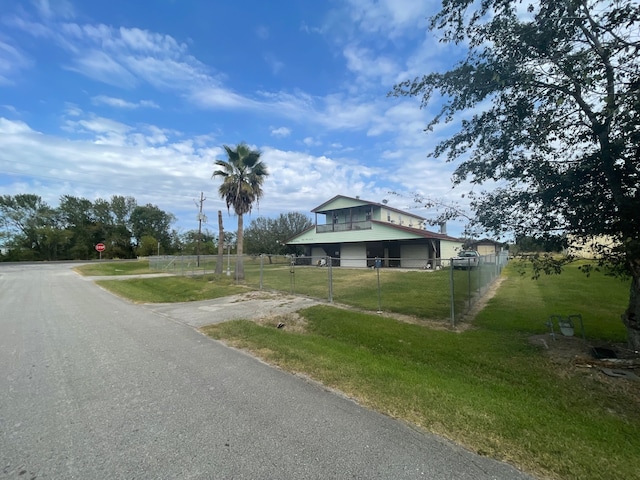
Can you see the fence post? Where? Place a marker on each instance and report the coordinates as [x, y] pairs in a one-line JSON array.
[[261, 267], [469, 284], [451, 290], [330, 274], [292, 272], [378, 264]]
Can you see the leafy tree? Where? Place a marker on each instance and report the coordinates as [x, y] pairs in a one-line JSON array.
[[28, 220], [76, 216], [149, 220], [243, 174], [148, 246], [268, 235], [121, 229], [547, 243], [552, 101], [122, 208], [189, 241]]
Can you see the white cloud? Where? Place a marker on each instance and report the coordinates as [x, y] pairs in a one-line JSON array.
[[365, 63], [155, 171], [311, 142], [54, 8], [390, 17], [101, 67], [281, 132], [121, 103], [12, 61], [9, 127], [300, 181], [274, 64]]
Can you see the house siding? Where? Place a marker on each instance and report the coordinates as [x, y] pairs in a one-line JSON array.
[[484, 249], [414, 256], [353, 255], [449, 249]]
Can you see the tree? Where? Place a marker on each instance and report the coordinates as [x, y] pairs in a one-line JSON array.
[[243, 174], [552, 98], [29, 220], [149, 220], [189, 242], [148, 246], [77, 218], [268, 235]]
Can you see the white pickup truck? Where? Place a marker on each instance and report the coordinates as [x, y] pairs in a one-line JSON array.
[[466, 259]]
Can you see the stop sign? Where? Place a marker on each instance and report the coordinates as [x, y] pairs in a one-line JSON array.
[[100, 247]]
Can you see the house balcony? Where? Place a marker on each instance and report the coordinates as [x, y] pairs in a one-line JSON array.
[[344, 227]]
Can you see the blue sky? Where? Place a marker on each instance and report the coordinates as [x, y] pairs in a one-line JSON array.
[[137, 98]]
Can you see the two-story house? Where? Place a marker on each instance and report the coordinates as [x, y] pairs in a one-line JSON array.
[[355, 232]]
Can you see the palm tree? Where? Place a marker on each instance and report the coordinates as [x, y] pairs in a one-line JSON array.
[[242, 176]]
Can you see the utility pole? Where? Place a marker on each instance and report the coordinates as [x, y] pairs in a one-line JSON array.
[[201, 217], [220, 244]]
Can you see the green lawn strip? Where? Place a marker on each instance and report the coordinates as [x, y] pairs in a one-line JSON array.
[[524, 304], [491, 391], [419, 293], [115, 268], [172, 289]]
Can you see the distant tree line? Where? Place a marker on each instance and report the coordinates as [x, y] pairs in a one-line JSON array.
[[269, 235], [32, 230], [540, 243]]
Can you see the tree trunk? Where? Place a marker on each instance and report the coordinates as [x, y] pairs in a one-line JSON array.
[[239, 250], [220, 259], [631, 317]]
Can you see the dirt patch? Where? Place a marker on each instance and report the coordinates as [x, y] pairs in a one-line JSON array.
[[572, 356], [291, 322], [482, 300]]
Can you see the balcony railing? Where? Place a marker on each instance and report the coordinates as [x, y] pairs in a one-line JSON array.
[[344, 227]]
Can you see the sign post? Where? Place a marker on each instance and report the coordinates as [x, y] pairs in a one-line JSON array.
[[100, 248]]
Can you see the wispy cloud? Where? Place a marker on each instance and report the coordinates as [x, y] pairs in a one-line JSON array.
[[121, 103], [281, 132], [389, 17], [12, 61], [274, 64], [54, 8], [101, 67]]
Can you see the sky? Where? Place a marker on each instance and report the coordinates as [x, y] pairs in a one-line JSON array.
[[137, 99]]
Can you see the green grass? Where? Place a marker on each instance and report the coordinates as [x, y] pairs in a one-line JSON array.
[[487, 388], [419, 293], [115, 268], [524, 304], [172, 289]]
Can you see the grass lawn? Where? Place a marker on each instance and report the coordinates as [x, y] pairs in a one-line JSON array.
[[424, 294], [159, 290], [115, 268], [420, 293], [172, 289], [487, 387]]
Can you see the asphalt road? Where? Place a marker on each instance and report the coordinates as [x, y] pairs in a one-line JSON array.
[[93, 387]]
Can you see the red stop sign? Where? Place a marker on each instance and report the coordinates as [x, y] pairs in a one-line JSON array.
[[100, 247]]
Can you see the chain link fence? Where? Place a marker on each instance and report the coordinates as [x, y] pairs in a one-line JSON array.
[[439, 289]]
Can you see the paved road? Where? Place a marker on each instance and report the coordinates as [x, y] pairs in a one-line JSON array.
[[93, 387]]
